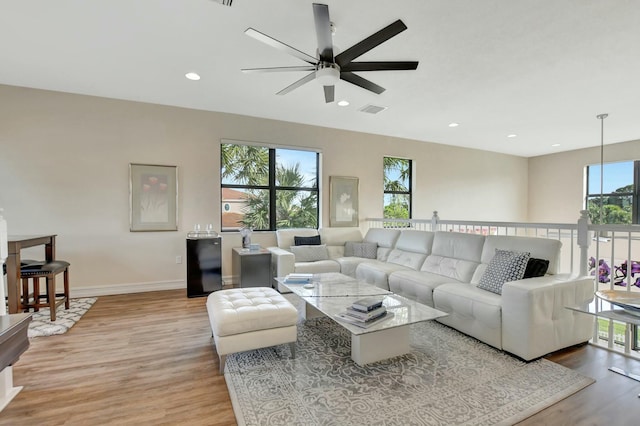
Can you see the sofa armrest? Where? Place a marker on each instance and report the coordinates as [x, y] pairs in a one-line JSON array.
[[535, 320], [282, 262]]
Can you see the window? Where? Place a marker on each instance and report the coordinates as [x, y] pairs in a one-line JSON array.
[[397, 188], [620, 192], [268, 188]]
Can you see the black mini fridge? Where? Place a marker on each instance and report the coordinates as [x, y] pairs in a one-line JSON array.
[[204, 265]]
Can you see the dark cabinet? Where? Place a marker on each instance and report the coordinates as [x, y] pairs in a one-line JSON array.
[[204, 266]]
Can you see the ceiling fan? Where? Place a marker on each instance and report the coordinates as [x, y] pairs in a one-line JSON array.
[[327, 68]]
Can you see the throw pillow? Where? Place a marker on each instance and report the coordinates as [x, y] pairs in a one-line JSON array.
[[536, 268], [357, 249], [311, 253], [504, 267], [307, 241]]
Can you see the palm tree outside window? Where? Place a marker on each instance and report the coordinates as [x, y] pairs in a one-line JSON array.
[[266, 188], [397, 188]]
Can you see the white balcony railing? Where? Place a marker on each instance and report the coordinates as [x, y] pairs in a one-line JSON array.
[[611, 253]]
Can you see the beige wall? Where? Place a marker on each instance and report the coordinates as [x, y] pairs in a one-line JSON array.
[[64, 169], [556, 182]]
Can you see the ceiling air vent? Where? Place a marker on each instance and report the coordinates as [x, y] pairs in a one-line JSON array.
[[224, 2], [372, 109]]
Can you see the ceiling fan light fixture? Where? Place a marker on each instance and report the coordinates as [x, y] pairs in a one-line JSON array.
[[327, 74]]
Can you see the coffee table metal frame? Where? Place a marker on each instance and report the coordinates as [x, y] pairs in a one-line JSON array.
[[333, 292], [604, 309]]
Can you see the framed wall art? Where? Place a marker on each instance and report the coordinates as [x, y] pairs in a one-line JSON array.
[[153, 197], [343, 202]]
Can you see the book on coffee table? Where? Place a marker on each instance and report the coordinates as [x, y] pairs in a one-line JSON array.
[[343, 316], [365, 316], [367, 304], [298, 278]]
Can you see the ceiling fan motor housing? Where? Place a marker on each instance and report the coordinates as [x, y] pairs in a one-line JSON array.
[[327, 74]]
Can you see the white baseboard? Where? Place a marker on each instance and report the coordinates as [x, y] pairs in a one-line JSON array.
[[111, 290]]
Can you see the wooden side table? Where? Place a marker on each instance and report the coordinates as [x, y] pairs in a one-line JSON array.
[[253, 267]]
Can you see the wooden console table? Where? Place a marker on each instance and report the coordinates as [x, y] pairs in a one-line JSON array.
[[17, 243]]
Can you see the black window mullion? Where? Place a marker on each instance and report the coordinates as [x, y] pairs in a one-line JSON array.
[[272, 189], [635, 199]]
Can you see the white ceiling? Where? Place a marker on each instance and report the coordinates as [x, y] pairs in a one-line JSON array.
[[541, 69]]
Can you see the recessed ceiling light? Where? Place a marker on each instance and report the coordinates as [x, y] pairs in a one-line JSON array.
[[555, 145], [454, 124], [192, 76], [343, 103], [512, 135]]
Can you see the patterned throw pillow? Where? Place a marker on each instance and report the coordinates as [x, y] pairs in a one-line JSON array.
[[310, 253], [357, 249], [307, 241], [505, 266]]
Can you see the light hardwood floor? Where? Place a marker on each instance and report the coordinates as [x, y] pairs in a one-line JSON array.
[[147, 359]]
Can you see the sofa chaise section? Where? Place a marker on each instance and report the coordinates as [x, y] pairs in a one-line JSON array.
[[529, 318]]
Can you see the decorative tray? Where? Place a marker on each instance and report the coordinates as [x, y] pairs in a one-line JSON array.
[[624, 299]]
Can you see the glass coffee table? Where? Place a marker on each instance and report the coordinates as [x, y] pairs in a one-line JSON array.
[[331, 293]]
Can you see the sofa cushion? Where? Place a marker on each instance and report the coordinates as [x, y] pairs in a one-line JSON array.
[[307, 241], [310, 253], [504, 267], [357, 249], [406, 258], [335, 239], [385, 238], [471, 310], [458, 245], [348, 265], [457, 269], [415, 241], [317, 267], [541, 248], [286, 237], [417, 285], [536, 268], [377, 273]]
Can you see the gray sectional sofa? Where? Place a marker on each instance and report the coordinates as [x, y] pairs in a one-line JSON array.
[[443, 270]]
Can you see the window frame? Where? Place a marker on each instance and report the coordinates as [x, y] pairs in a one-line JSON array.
[[409, 190], [634, 194], [272, 187]]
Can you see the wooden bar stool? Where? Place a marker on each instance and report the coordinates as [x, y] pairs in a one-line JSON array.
[[47, 270]]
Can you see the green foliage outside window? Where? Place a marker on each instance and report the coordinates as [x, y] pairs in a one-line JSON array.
[[397, 188], [246, 168]]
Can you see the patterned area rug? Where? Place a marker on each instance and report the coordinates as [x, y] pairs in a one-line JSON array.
[[41, 324], [447, 379]]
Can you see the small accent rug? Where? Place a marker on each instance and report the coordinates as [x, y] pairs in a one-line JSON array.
[[41, 324], [447, 379]]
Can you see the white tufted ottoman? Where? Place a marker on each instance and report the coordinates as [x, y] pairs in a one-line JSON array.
[[243, 319]]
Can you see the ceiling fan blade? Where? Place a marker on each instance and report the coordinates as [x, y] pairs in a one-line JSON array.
[[329, 93], [278, 69], [362, 82], [280, 45], [370, 42], [323, 31], [380, 66], [298, 83]]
